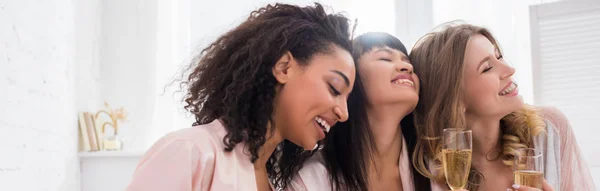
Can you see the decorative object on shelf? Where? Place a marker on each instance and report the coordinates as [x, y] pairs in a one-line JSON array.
[[112, 142], [90, 134]]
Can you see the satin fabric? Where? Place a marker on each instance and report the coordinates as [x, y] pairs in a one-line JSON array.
[[194, 159], [314, 176]]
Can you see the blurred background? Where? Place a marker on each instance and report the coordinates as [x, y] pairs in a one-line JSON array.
[[61, 58]]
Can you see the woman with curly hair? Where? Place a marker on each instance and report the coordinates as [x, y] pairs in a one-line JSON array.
[[261, 94], [467, 83]]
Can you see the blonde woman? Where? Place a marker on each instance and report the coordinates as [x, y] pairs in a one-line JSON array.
[[466, 82]]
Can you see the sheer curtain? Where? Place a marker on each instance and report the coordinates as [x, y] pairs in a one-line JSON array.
[[173, 50]]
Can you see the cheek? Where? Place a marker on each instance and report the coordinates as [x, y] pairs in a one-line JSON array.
[[298, 98], [301, 100], [481, 93], [311, 94], [374, 80], [417, 82], [368, 83]]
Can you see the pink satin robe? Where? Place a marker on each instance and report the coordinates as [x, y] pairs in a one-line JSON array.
[[194, 159], [568, 171], [314, 176]]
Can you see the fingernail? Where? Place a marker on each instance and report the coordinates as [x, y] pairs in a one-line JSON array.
[[516, 186]]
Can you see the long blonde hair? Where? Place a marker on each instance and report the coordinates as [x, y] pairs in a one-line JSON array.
[[438, 60]]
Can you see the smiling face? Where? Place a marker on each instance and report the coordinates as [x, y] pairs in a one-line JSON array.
[[388, 78], [312, 97], [488, 85]]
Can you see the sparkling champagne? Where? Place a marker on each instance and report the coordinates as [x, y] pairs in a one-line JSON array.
[[457, 164], [529, 178]]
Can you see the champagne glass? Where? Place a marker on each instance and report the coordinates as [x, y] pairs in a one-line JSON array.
[[456, 156], [529, 167]]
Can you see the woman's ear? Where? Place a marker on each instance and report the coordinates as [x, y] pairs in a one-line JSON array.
[[282, 71]]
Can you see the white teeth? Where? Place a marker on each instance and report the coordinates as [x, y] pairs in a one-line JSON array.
[[323, 123], [404, 81], [510, 89]]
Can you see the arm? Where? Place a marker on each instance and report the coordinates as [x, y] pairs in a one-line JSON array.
[[575, 174]]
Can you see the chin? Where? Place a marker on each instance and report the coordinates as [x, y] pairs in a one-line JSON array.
[[404, 96], [306, 144], [513, 106], [411, 100], [309, 147], [518, 102]]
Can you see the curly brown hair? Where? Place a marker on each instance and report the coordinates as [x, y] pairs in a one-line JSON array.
[[232, 78]]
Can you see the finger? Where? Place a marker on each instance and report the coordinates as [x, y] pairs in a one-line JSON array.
[[547, 186], [524, 188]]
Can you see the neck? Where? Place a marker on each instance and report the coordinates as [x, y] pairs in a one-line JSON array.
[[264, 153], [486, 134], [384, 123]]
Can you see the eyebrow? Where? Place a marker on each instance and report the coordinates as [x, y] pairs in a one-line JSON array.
[[385, 50], [343, 76], [482, 61], [403, 57]]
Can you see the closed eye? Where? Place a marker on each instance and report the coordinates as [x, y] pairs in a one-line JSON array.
[[334, 91], [487, 69], [386, 59]]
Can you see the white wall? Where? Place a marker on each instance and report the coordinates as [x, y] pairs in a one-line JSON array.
[[87, 62], [209, 19], [413, 20], [38, 116], [127, 64], [87, 54], [173, 53]]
